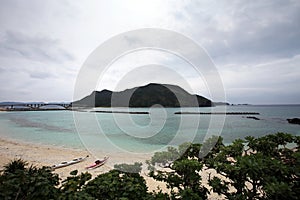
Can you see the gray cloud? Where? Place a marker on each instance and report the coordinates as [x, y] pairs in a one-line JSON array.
[[271, 82], [40, 75], [246, 31], [37, 48], [255, 44]]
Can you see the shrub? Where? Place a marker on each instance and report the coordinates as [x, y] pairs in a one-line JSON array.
[[20, 182]]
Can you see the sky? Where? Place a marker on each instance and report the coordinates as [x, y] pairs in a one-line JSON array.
[[254, 45]]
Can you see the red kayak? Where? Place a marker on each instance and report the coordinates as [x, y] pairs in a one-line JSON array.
[[97, 163]]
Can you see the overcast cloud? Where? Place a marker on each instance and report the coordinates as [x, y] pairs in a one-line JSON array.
[[255, 45]]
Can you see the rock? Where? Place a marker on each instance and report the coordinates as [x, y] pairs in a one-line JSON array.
[[294, 121], [251, 117]]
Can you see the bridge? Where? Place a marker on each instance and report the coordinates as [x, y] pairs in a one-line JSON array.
[[35, 106]]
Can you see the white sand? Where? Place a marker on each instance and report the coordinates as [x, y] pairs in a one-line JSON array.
[[46, 155]]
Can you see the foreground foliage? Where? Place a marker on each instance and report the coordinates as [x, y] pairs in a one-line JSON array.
[[20, 182], [254, 168]]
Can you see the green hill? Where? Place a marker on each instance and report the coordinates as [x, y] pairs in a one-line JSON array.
[[144, 96]]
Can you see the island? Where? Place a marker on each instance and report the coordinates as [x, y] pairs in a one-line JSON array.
[[144, 96]]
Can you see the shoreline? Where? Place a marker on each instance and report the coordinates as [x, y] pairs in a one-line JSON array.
[[34, 153], [47, 155]]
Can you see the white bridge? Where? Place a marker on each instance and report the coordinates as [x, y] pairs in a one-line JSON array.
[[34, 106]]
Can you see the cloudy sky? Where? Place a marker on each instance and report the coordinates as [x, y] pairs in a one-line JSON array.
[[255, 45]]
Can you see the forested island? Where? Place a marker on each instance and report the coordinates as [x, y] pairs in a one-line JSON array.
[[144, 96]]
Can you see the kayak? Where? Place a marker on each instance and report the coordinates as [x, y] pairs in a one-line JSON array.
[[67, 163], [97, 163]]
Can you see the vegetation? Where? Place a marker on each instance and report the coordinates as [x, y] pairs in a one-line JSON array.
[[254, 168], [20, 182]]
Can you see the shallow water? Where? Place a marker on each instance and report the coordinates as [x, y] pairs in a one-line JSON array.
[[143, 133]]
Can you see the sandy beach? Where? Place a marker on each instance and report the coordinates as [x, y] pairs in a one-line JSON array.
[[46, 155]]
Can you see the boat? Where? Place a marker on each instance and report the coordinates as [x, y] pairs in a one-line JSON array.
[[67, 163], [97, 163]]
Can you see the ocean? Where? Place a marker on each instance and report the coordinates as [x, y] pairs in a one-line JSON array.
[[143, 133]]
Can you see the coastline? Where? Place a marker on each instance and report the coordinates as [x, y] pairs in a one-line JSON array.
[[47, 155]]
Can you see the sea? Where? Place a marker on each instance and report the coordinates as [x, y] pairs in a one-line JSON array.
[[118, 131]]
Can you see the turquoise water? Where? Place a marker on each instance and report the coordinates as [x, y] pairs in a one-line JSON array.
[[142, 133]]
